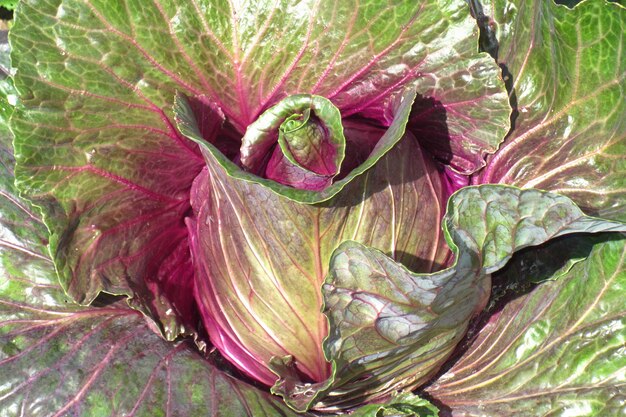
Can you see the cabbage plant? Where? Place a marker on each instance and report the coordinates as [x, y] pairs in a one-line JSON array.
[[282, 208]]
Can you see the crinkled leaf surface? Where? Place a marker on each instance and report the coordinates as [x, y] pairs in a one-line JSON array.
[[557, 351], [395, 327], [567, 73], [21, 228], [96, 147], [262, 258], [246, 55], [61, 359], [98, 153]]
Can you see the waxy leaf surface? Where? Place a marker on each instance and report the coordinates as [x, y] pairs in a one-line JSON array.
[[97, 148], [61, 359], [566, 70], [556, 351], [396, 327], [262, 257], [97, 152]]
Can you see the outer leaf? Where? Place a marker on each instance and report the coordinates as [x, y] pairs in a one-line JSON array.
[[400, 405], [5, 51], [262, 258], [113, 203], [252, 54], [558, 351], [392, 328], [568, 70], [21, 229], [59, 359]]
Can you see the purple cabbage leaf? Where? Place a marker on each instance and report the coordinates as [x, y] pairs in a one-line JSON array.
[[557, 349], [252, 242], [396, 327], [566, 74]]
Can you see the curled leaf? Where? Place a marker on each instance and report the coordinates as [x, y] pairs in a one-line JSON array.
[[392, 329], [311, 143]]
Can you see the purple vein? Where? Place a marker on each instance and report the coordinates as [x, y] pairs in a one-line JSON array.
[[209, 32], [305, 43], [146, 247], [553, 68], [244, 106], [277, 285], [393, 210], [531, 45], [34, 284], [242, 399], [554, 117], [342, 46], [90, 94], [168, 381], [117, 179], [96, 242], [316, 283], [322, 329], [70, 315], [215, 401], [46, 371], [183, 52], [104, 198], [174, 135], [314, 50], [130, 25], [484, 355], [19, 205], [271, 274], [24, 250], [537, 352], [261, 32], [293, 260], [40, 341], [94, 375], [436, 197], [145, 53], [383, 93], [376, 57], [364, 199], [160, 364]]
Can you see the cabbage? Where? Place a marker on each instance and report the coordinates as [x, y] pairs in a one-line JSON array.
[[338, 203]]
